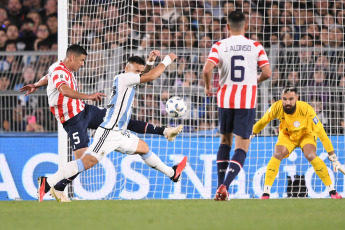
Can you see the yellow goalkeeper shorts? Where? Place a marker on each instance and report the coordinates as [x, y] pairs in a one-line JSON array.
[[291, 145]]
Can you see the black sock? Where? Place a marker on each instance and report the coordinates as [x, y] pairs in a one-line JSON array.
[[61, 185], [223, 158], [235, 166], [144, 127]]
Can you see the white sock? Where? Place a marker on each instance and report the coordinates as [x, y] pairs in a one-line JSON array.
[[153, 161], [70, 169], [330, 187], [267, 189]]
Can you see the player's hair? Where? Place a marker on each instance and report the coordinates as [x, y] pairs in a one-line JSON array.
[[236, 20], [76, 49], [136, 59], [289, 88]]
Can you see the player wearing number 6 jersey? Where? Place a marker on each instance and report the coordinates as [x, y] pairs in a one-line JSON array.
[[113, 134], [237, 58]]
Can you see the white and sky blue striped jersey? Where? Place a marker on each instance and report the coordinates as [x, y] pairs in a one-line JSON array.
[[119, 108]]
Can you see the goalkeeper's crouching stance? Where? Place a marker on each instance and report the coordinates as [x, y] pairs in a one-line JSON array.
[[299, 127]]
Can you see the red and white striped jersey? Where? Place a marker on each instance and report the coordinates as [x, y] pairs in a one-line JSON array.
[[237, 58], [63, 108]]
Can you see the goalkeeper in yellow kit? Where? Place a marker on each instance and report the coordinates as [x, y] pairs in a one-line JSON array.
[[299, 127]]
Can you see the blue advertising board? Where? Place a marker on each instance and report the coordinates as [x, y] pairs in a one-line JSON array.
[[24, 158]]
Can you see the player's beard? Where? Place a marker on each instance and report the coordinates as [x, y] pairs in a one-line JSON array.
[[289, 110]]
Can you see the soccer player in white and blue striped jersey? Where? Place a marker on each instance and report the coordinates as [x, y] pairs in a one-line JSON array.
[[113, 134]]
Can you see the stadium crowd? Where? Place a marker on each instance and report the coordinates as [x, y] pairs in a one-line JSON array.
[[304, 41]]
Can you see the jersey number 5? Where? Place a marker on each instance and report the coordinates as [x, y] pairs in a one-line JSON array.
[[235, 67]]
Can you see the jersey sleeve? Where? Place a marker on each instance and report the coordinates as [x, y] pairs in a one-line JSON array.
[[319, 130], [130, 79], [262, 56], [270, 114], [59, 78], [214, 54]]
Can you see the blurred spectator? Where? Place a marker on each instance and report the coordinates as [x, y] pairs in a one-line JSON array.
[[272, 22], [340, 17], [318, 78], [285, 18], [3, 15], [52, 24], [190, 79], [76, 35], [36, 18], [27, 35], [42, 32], [4, 82], [256, 22], [310, 16], [3, 39], [336, 37], [205, 42], [316, 103], [205, 23], [314, 31], [328, 21], [276, 79], [17, 123], [16, 12], [228, 7], [321, 8], [12, 32], [32, 125], [28, 77], [215, 8], [5, 64], [190, 39], [50, 7], [287, 6], [293, 79], [36, 6], [171, 11], [42, 61], [306, 40]]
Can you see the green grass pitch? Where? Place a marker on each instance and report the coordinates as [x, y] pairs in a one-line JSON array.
[[174, 214]]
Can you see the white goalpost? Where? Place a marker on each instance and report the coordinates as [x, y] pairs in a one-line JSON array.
[[304, 41]]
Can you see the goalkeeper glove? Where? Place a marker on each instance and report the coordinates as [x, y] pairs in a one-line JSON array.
[[336, 164], [252, 136]]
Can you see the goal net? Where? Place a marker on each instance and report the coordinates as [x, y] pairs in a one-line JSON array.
[[304, 41]]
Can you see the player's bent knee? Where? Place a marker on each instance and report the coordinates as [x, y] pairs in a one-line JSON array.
[[142, 147], [89, 161], [310, 156], [279, 155]]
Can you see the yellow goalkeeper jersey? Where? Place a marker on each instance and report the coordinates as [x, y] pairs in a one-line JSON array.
[[295, 126]]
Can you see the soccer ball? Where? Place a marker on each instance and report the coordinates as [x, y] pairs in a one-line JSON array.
[[176, 107]]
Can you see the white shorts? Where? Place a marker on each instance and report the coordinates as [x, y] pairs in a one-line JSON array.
[[106, 141]]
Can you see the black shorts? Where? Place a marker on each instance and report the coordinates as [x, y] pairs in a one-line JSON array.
[[237, 121], [76, 127]]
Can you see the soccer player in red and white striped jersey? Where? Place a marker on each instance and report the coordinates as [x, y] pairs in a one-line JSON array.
[[237, 59]]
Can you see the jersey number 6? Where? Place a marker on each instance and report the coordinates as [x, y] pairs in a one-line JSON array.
[[237, 68]]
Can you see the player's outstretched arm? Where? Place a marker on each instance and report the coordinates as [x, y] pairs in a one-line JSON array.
[[31, 88], [265, 74], [68, 92], [336, 164], [151, 60], [158, 70]]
